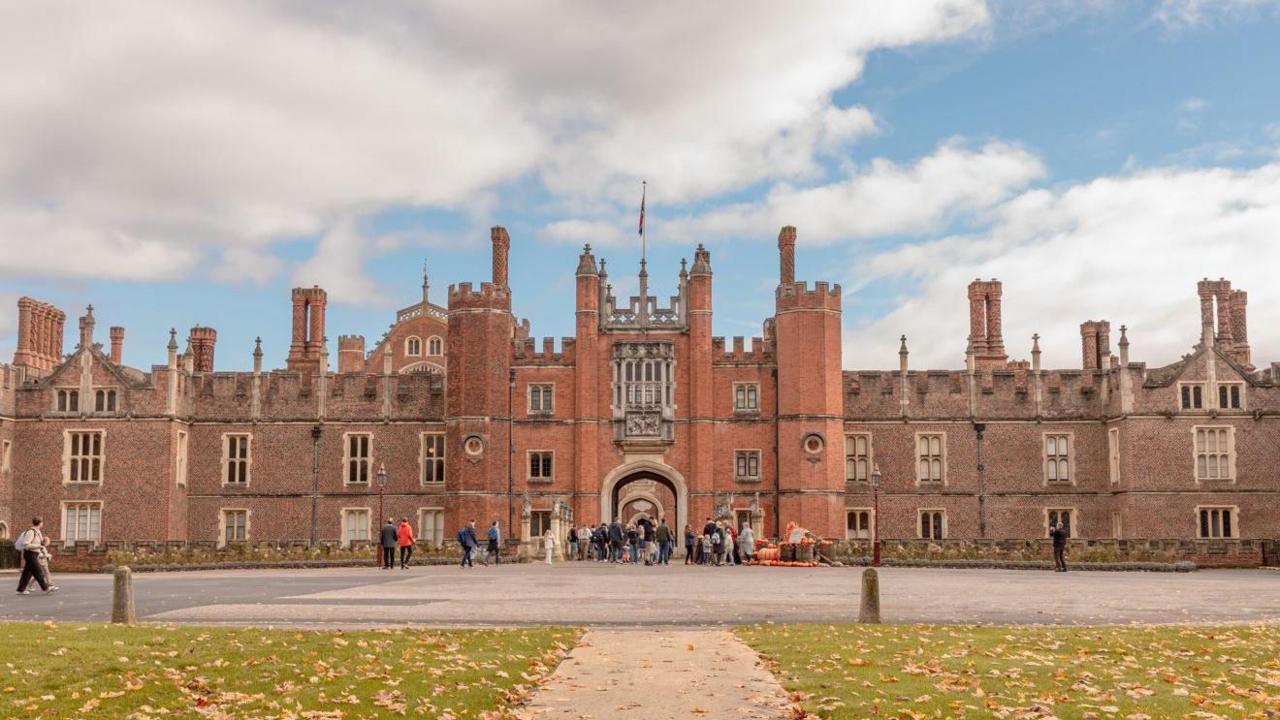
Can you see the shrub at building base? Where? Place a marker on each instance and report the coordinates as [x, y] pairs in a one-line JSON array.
[[1083, 554]]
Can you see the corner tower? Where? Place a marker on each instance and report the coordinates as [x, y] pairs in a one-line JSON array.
[[810, 404], [478, 395]]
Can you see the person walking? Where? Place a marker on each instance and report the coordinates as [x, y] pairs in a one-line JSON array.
[[573, 543], [548, 543], [663, 536], [493, 543], [746, 544], [34, 549], [690, 540], [616, 541], [467, 539], [404, 534], [1059, 535], [389, 537]]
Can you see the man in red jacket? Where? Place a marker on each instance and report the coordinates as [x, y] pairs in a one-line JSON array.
[[404, 535]]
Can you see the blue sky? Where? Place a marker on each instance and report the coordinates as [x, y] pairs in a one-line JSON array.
[[1098, 158]]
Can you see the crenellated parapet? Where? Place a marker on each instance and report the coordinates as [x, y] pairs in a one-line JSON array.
[[760, 351], [526, 351], [798, 296], [489, 296]]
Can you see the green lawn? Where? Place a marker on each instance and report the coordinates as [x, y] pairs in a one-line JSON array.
[[102, 671], [1130, 672]]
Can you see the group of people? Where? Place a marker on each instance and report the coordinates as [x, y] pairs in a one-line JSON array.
[[36, 552], [644, 542], [393, 536], [471, 544]]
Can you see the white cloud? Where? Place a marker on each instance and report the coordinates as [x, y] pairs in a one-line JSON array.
[[1128, 249], [1185, 14], [338, 267], [881, 199], [141, 139]]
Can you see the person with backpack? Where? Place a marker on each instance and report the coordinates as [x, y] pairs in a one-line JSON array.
[[467, 539], [404, 534], [33, 546], [493, 538]]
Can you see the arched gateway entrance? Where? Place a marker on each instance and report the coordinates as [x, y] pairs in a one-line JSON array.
[[619, 490]]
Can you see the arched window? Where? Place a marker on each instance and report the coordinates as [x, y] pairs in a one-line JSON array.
[[435, 346], [413, 346]]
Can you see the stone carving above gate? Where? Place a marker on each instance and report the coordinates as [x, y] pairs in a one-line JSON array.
[[643, 392]]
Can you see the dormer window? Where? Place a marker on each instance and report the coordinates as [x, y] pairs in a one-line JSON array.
[[104, 401], [1231, 396], [1192, 395], [68, 401]]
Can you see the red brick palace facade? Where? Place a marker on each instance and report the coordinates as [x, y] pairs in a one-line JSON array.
[[642, 412]]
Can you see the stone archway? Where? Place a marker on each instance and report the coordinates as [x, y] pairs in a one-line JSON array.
[[618, 478]]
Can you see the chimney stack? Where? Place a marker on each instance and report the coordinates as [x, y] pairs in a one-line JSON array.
[[501, 247], [117, 344], [201, 342], [1240, 326], [787, 255], [986, 332], [1095, 344]]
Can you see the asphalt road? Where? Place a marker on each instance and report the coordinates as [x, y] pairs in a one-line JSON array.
[[605, 595]]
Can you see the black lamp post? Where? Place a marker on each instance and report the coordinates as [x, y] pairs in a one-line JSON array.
[[875, 516], [382, 485]]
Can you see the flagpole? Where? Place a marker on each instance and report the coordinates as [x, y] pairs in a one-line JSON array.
[[644, 230]]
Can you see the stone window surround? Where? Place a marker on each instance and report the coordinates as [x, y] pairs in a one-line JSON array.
[[422, 535], [222, 524], [1244, 405], [342, 519], [920, 515], [849, 442], [66, 456], [916, 455], [1234, 511], [1231, 454], [435, 346], [422, 458], [1071, 456], [62, 514], [748, 408], [413, 346], [528, 463], [871, 519], [759, 460], [528, 398], [109, 400], [1113, 455], [6, 456], [226, 458], [66, 395], [1204, 391], [347, 458], [1074, 512], [181, 445]]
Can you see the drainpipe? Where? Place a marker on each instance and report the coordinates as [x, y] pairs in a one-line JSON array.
[[315, 478], [980, 429], [777, 458], [511, 451]]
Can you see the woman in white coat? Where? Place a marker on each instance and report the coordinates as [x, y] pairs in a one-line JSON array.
[[549, 543], [746, 544]]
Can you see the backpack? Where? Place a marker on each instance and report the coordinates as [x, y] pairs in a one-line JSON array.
[[21, 543], [462, 537]]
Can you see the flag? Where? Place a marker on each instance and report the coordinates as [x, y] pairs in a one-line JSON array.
[[642, 194]]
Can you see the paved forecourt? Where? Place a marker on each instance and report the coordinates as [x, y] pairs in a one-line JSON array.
[[613, 595]]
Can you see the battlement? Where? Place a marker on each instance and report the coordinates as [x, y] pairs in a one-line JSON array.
[[526, 350], [759, 352], [797, 295], [350, 341], [491, 296]]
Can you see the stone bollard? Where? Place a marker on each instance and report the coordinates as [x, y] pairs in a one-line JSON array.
[[870, 611], [122, 597]]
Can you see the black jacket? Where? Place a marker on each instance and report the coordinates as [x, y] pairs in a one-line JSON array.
[[389, 536], [1059, 538], [615, 533]]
